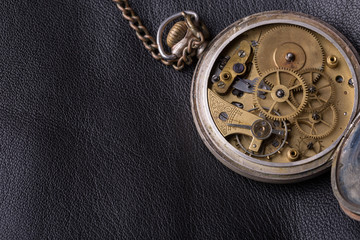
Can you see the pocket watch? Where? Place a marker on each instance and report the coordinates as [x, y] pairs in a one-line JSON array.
[[274, 96]]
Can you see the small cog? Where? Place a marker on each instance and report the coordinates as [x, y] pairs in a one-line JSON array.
[[317, 124], [321, 90], [291, 47], [309, 147], [278, 96]]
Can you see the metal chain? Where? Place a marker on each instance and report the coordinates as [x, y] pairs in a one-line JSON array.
[[149, 42]]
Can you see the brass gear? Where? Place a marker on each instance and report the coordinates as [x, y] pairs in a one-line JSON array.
[[279, 79], [309, 147], [321, 90], [279, 41], [317, 125]]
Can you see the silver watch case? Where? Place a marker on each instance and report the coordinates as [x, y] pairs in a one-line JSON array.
[[287, 172]]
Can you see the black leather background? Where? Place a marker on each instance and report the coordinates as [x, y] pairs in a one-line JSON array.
[[97, 139]]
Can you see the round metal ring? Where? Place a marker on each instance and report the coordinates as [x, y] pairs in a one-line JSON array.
[[160, 32]]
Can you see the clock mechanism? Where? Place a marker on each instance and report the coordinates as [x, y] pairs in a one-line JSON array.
[[281, 93], [274, 96]]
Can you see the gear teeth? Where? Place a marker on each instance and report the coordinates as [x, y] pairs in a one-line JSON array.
[[256, 60], [332, 89], [269, 83], [305, 141], [273, 116], [323, 56], [325, 134], [293, 101]]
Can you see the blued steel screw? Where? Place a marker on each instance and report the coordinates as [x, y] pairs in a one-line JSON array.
[[223, 116], [238, 67]]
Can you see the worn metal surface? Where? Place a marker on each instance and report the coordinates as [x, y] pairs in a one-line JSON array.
[[278, 172], [345, 175]]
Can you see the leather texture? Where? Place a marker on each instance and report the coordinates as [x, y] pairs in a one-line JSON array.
[[98, 141]]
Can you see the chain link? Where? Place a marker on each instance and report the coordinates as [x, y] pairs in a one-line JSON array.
[[149, 42]]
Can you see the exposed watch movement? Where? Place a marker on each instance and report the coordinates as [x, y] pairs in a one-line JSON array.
[[273, 95]]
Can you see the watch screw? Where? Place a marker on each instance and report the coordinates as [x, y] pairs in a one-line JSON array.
[[221, 84], [290, 57], [242, 53], [280, 93], [312, 89], [215, 78], [223, 116], [315, 116], [351, 82]]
